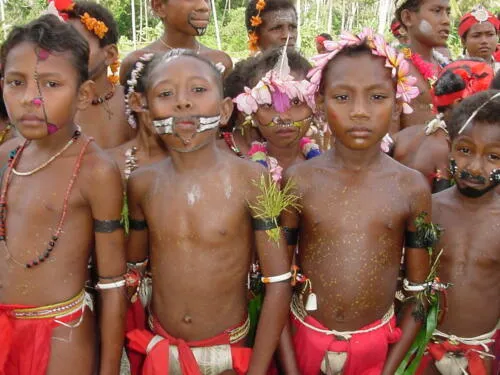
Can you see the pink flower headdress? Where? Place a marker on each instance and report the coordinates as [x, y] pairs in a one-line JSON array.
[[406, 90], [277, 88]]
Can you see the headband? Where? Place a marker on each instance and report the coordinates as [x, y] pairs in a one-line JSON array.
[[132, 84], [92, 24], [406, 90], [479, 14], [476, 75]]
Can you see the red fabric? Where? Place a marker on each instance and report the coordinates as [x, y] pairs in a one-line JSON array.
[[468, 20], [320, 39], [366, 352], [395, 28], [436, 351], [157, 360], [25, 343], [61, 4], [136, 319]]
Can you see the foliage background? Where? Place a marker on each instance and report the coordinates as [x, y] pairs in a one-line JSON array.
[[316, 16]]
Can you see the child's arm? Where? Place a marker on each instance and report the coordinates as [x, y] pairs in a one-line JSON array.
[[417, 269], [137, 246], [105, 197], [275, 265]]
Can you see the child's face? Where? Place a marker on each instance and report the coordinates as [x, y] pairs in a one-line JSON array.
[[477, 153], [284, 129], [431, 24], [359, 100], [185, 90], [40, 90], [188, 16], [481, 40], [276, 27], [97, 58]]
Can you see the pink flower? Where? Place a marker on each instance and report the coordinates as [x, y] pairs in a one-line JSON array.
[[261, 93], [275, 169], [246, 103], [257, 147]]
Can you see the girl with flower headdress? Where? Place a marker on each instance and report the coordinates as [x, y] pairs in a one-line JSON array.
[[358, 208], [280, 105]]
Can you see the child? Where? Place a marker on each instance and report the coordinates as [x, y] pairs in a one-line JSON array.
[[73, 199], [182, 22], [469, 213], [427, 23], [199, 266], [270, 24], [105, 119], [478, 31], [357, 205], [280, 105], [426, 148]]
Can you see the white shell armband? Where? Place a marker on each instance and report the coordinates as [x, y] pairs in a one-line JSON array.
[[111, 285], [276, 279]]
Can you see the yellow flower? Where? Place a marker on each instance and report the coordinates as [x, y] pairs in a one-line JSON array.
[[261, 4]]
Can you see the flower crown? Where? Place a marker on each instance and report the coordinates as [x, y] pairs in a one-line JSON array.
[[93, 25], [255, 21], [276, 88], [406, 90], [132, 84]]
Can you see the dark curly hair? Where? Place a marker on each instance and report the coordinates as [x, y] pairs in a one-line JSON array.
[[487, 114], [411, 5], [49, 33], [98, 12]]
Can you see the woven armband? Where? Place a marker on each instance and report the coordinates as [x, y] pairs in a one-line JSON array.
[[291, 235], [265, 224], [276, 279], [137, 224], [106, 226]]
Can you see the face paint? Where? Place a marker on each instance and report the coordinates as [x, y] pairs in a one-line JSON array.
[[199, 30], [285, 16], [467, 176], [425, 27], [278, 121], [42, 55], [167, 126]]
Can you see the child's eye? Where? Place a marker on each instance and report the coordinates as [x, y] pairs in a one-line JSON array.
[[378, 97], [296, 101], [464, 150], [51, 84], [14, 83], [165, 94], [341, 98], [199, 89], [494, 157]]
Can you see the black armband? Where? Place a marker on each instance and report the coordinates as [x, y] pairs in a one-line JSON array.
[[137, 224], [265, 224], [106, 226], [415, 240], [291, 235]]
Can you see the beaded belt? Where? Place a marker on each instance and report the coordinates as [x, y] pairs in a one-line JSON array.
[[57, 310]]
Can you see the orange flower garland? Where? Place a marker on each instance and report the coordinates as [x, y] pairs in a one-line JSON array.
[[99, 28], [114, 78], [255, 22]]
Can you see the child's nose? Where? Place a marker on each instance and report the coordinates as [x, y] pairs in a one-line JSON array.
[[183, 103]]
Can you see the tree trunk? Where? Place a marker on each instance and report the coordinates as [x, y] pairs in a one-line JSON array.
[[141, 18], [299, 12], [330, 12], [132, 12], [217, 34]]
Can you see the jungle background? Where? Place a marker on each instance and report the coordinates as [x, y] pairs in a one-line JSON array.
[[139, 26]]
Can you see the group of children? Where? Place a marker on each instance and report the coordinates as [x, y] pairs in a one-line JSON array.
[[215, 232]]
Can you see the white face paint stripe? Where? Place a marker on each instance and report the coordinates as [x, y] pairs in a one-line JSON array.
[[166, 126]]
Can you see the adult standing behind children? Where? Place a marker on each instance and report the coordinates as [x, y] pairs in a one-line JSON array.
[[105, 118], [182, 22], [60, 197]]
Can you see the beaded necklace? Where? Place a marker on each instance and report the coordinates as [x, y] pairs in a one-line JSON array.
[[13, 159], [105, 98], [229, 139]]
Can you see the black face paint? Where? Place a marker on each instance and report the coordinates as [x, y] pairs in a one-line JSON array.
[[472, 192], [199, 30]]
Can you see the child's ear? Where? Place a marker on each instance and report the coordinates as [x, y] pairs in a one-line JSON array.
[[111, 54], [226, 110], [137, 102], [406, 18], [86, 93], [158, 7]]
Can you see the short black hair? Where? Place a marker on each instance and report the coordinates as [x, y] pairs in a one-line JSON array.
[[3, 109], [487, 114], [271, 6], [495, 84], [51, 34], [411, 5], [326, 36], [98, 12]]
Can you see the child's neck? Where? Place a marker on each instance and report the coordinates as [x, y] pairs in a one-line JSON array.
[[146, 143], [202, 159], [176, 39], [285, 155], [102, 85], [54, 142], [356, 160], [423, 50]]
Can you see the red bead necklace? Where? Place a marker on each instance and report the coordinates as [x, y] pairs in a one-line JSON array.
[[13, 159]]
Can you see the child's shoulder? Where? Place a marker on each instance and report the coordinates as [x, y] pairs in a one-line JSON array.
[[307, 168], [217, 56], [99, 162], [408, 178], [246, 168]]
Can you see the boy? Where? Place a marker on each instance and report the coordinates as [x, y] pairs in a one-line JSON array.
[[427, 23], [357, 204], [45, 327], [199, 265], [105, 119], [469, 213], [182, 21]]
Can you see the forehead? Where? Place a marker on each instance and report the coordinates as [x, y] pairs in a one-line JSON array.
[[182, 68], [482, 27], [426, 4], [23, 58], [481, 132], [280, 17], [361, 69]]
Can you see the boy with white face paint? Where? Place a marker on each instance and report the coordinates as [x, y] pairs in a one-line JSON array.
[[428, 25]]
